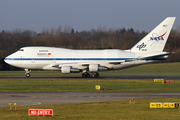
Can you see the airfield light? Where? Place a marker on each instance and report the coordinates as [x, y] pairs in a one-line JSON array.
[[15, 105], [129, 100], [133, 100], [10, 106]]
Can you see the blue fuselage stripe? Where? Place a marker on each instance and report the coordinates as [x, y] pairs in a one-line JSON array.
[[70, 59], [38, 59]]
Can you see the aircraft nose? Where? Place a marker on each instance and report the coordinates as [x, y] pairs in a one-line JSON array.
[[9, 59], [6, 60]]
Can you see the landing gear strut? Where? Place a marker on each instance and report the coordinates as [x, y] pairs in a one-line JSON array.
[[27, 73]]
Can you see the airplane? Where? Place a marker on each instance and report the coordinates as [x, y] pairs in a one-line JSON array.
[[89, 62]]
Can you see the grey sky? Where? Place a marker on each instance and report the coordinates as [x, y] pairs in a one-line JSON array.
[[86, 14]]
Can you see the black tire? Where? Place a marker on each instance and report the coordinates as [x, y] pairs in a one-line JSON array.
[[84, 75], [97, 75], [92, 75], [88, 75], [27, 75]]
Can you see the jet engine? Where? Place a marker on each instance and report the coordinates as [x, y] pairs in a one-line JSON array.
[[65, 69], [68, 69], [93, 67]]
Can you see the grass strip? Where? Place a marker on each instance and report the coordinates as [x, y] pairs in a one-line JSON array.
[[85, 85], [162, 69], [116, 110]]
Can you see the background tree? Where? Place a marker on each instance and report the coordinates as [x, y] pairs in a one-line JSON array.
[[11, 41]]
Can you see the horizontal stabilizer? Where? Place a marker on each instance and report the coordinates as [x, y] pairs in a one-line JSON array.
[[155, 56]]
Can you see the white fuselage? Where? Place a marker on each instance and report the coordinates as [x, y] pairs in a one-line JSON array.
[[47, 57]]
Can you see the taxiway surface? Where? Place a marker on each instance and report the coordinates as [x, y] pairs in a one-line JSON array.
[[101, 77], [36, 98]]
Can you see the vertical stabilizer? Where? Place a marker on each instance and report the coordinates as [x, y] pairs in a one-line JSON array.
[[156, 39]]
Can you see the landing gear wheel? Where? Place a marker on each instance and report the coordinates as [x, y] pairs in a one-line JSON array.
[[97, 75], [88, 75], [93, 75], [27, 75], [85, 75]]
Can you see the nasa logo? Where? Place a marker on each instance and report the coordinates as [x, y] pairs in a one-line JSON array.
[[156, 38], [159, 39]]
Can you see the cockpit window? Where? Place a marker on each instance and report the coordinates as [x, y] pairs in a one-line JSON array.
[[21, 50]]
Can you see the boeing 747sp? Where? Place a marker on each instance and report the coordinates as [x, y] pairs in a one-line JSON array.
[[89, 62]]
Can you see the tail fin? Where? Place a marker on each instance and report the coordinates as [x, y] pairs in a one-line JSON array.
[[156, 39]]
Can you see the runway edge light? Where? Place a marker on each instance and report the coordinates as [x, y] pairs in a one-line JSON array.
[[133, 100], [10, 106], [129, 100], [15, 105]]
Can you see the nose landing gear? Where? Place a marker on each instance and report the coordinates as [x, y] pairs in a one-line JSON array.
[[27, 73]]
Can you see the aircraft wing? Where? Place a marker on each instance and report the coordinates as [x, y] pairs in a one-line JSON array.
[[70, 64], [86, 64]]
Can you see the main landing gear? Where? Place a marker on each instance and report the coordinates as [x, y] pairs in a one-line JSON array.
[[85, 75], [93, 75], [27, 73]]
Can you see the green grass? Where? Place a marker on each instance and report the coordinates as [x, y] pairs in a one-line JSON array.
[[163, 69], [117, 110], [85, 85]]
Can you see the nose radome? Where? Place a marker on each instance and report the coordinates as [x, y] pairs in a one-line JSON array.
[[8, 59]]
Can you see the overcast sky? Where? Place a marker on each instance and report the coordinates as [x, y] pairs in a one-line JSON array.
[[86, 14]]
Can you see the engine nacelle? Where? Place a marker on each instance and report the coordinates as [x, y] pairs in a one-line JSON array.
[[65, 69], [73, 70], [100, 68], [93, 67]]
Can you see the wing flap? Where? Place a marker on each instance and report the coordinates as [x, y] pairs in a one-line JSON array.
[[116, 62]]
